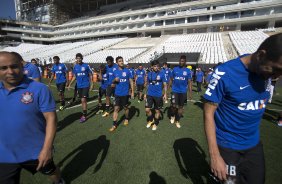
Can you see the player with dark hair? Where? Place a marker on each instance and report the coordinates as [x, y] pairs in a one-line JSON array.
[[156, 81], [30, 70], [104, 80], [122, 80], [28, 124], [140, 81], [167, 72], [61, 72], [110, 68], [236, 98], [83, 75], [180, 77]]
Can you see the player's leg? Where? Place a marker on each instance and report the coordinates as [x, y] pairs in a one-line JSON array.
[[125, 105], [253, 166], [109, 92], [174, 100], [149, 114], [180, 103], [62, 87], [10, 173], [115, 114], [157, 106], [84, 93]]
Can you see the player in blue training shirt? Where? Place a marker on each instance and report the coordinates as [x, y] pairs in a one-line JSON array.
[[156, 82], [110, 68], [61, 72], [199, 79], [180, 77], [167, 71], [30, 70], [82, 73], [104, 81], [236, 98], [140, 78], [28, 123], [132, 72], [208, 77], [123, 79]]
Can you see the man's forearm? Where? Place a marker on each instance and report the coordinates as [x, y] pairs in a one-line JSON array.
[[51, 126], [209, 110]]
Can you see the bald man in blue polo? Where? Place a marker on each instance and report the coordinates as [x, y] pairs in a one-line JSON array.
[[27, 121]]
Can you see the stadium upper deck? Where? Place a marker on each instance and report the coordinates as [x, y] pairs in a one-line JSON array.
[[178, 18]]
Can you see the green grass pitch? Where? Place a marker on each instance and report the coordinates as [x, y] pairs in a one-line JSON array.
[[89, 154]]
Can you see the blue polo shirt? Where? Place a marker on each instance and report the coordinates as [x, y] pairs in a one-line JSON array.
[[31, 71], [155, 81], [241, 97], [180, 78], [110, 72], [199, 76], [105, 81], [81, 72], [122, 88], [60, 70], [140, 76], [22, 123], [167, 72]]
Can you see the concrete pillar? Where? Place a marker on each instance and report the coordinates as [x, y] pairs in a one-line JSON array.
[[238, 27], [271, 23]]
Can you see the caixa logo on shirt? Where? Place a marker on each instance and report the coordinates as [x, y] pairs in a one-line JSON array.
[[256, 105], [27, 98], [216, 76]]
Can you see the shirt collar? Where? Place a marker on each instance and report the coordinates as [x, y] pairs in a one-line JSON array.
[[24, 84]]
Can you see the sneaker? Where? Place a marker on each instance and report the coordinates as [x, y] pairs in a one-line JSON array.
[[149, 124], [99, 111], [178, 124], [166, 101], [154, 127], [172, 119], [125, 123], [82, 119], [138, 101], [113, 128], [61, 107], [279, 123], [105, 114]]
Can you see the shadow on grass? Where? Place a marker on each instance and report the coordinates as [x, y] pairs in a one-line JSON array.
[[191, 160], [68, 120], [84, 157], [271, 116], [156, 179], [132, 112]]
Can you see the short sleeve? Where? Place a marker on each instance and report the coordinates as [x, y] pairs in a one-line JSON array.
[[217, 87], [130, 74], [46, 100], [164, 79], [65, 68]]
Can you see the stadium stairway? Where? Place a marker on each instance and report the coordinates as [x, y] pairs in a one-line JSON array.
[[229, 48]]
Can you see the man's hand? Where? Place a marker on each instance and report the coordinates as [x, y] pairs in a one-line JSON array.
[[218, 167], [165, 97], [44, 157]]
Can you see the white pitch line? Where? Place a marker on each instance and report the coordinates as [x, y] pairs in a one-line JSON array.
[[78, 105]]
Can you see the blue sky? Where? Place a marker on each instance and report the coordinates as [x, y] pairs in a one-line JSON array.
[[7, 9]]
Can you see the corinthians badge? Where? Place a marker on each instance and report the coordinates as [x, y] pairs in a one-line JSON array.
[[27, 98]]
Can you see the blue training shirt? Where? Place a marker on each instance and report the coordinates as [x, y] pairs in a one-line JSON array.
[[122, 88], [110, 72], [140, 76], [180, 78], [22, 123], [81, 73], [241, 97], [155, 81], [105, 80], [60, 70], [199, 76], [31, 71], [167, 72]]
